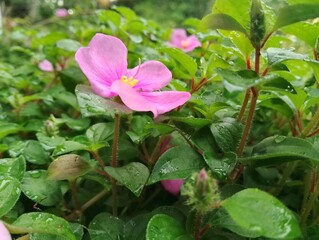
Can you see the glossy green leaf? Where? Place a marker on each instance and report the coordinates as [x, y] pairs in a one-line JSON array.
[[9, 193], [105, 226], [305, 31], [222, 165], [163, 227], [278, 55], [76, 228], [221, 21], [227, 134], [100, 132], [68, 146], [15, 167], [262, 214], [94, 105], [296, 13], [41, 222], [34, 153], [192, 121], [177, 162], [239, 10], [39, 189], [279, 149], [133, 175], [183, 59]]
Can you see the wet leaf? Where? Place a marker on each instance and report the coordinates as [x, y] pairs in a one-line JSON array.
[[262, 214], [35, 222], [133, 176], [9, 193]]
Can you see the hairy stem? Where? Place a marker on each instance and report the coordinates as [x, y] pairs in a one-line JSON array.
[[243, 106], [114, 162], [197, 226], [74, 192]]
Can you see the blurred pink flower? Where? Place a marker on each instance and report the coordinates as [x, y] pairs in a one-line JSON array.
[[47, 66], [180, 40], [172, 186], [4, 233], [104, 62], [61, 12]]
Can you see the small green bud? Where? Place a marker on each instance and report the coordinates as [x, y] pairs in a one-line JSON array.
[[68, 167], [202, 192], [257, 23]]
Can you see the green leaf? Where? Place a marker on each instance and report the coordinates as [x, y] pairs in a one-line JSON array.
[[163, 227], [220, 166], [105, 226], [9, 193], [110, 17], [69, 146], [135, 228], [183, 59], [76, 228], [8, 128], [68, 45], [177, 162], [279, 149], [35, 222], [34, 153], [133, 176], [227, 134], [100, 132], [192, 121], [239, 10], [38, 188], [262, 214], [15, 167], [305, 31], [296, 13], [278, 55], [221, 21], [94, 105]]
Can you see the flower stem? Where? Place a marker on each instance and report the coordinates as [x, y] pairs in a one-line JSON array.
[[74, 192], [311, 125], [94, 199], [243, 106], [114, 162], [197, 226]]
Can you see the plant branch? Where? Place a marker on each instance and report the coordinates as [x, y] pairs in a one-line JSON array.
[[114, 162]]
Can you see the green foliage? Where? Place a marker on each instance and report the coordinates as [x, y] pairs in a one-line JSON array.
[[75, 165]]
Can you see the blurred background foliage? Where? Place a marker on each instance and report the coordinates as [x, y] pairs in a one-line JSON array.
[[166, 12]]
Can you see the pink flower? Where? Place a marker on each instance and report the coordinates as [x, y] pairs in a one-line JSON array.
[[4, 233], [61, 12], [104, 62], [180, 40], [47, 66], [172, 186]]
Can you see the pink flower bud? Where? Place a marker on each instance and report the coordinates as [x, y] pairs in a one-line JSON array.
[[61, 13], [4, 233], [172, 186]]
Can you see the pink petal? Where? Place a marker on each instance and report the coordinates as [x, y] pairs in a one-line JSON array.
[[177, 36], [4, 233], [166, 101], [46, 66], [172, 186], [103, 62], [155, 102], [131, 98], [61, 12], [193, 43], [151, 75]]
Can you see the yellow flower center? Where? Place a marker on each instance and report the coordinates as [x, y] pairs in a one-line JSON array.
[[184, 43], [129, 81]]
